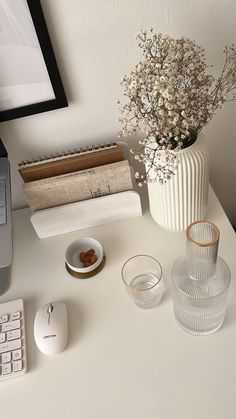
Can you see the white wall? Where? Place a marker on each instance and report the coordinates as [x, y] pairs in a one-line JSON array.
[[94, 42]]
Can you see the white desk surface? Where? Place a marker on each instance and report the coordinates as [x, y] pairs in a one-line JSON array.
[[121, 362]]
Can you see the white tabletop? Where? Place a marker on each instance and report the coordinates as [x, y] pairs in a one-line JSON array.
[[121, 362]]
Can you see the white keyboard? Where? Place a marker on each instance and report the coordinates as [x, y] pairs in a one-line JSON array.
[[12, 339]]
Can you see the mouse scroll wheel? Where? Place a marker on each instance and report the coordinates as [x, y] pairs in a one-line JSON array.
[[50, 309]]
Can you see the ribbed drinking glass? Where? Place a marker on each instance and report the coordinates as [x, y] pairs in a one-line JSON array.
[[143, 280]]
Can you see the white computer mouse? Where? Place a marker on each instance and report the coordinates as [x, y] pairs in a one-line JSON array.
[[50, 328]]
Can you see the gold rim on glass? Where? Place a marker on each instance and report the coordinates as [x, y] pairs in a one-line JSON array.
[[211, 243], [133, 257]]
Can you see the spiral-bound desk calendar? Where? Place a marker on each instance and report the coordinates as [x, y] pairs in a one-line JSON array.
[[70, 161], [112, 199], [79, 186]]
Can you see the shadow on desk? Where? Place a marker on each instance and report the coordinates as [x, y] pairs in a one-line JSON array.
[[76, 322], [229, 316]]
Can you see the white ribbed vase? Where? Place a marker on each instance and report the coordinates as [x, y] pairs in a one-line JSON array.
[[184, 198]]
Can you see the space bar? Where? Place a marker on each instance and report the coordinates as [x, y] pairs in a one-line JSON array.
[[10, 346]]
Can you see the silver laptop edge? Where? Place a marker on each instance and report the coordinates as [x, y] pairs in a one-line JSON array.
[[5, 221]]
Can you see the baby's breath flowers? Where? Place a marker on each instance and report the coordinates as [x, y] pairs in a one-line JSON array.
[[170, 98]]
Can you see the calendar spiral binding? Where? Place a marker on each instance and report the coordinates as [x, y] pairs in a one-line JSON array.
[[70, 161], [80, 151]]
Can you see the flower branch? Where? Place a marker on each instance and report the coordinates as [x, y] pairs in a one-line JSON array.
[[170, 98]]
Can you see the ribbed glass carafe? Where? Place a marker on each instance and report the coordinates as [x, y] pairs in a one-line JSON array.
[[200, 281]]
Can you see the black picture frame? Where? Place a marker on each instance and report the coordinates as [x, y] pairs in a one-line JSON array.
[[60, 99]]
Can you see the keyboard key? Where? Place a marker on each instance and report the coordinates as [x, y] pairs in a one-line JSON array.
[[3, 183], [15, 316], [14, 334], [3, 219], [3, 318], [13, 352], [6, 357], [17, 366], [16, 355], [10, 346], [2, 198], [6, 369], [3, 211], [15, 324], [2, 337]]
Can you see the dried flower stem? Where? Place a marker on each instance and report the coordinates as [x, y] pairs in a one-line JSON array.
[[170, 98]]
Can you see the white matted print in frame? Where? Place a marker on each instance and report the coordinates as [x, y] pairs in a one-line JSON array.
[[29, 78]]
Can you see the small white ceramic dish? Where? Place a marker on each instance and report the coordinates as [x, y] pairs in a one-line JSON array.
[[83, 245]]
